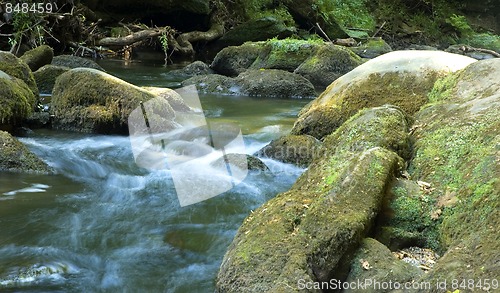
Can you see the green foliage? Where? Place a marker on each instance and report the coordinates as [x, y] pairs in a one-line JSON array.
[[28, 26], [459, 22], [350, 15]]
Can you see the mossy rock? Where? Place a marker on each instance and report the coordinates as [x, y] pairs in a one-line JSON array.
[[380, 265], [46, 76], [234, 60], [192, 69], [241, 161], [310, 231], [327, 64], [16, 157], [89, 100], [457, 151], [259, 29], [407, 219], [372, 48], [16, 98], [175, 100], [214, 84], [38, 57], [275, 83], [285, 54], [75, 62], [16, 67], [295, 149], [401, 78]]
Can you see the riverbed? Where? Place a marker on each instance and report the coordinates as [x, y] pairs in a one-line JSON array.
[[102, 223]]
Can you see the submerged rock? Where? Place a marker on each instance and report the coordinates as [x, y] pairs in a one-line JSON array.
[[38, 57], [255, 83], [75, 62], [311, 231], [89, 100], [46, 77], [402, 78], [242, 161], [16, 67], [274, 83], [214, 84], [17, 99], [193, 69], [15, 157], [458, 152]]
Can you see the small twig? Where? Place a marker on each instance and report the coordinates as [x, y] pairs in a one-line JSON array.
[[466, 49], [378, 29], [323, 32]]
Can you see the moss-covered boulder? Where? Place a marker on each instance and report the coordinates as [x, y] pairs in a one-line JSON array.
[[16, 157], [17, 100], [295, 149], [259, 29], [75, 62], [89, 100], [233, 60], [327, 64], [46, 76], [275, 83], [38, 57], [309, 232], [374, 261], [285, 54], [457, 152], [15, 67], [214, 84], [319, 62], [372, 48], [255, 83], [402, 78]]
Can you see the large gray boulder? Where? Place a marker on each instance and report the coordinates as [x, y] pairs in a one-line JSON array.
[[401, 78]]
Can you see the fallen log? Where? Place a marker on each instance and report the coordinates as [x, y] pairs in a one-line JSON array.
[[132, 38]]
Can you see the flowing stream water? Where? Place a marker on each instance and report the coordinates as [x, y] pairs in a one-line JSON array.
[[103, 224]]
